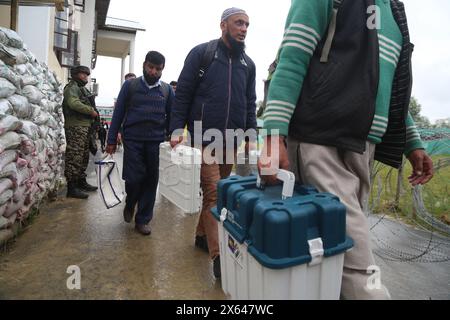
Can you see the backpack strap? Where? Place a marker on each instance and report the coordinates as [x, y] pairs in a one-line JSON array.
[[132, 88], [165, 90], [208, 57], [331, 30]]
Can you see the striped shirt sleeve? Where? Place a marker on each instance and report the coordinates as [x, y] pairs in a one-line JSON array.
[[306, 24], [413, 141]]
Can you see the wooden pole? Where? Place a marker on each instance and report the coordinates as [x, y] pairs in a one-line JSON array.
[[14, 14], [399, 186]]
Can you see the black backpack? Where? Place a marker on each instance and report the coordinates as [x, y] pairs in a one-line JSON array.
[[208, 57]]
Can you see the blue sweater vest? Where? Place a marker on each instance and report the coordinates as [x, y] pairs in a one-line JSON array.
[[143, 115], [146, 115]]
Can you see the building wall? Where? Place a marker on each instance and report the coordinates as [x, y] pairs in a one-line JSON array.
[[86, 33], [53, 63], [36, 27], [33, 28], [5, 16]]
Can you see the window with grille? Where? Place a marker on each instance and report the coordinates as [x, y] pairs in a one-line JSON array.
[[70, 58], [80, 4], [61, 37]]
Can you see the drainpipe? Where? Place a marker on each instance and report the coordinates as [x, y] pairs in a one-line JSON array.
[[14, 14]]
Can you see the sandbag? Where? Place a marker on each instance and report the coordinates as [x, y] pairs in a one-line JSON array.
[[5, 184], [22, 69], [52, 123], [3, 38], [5, 196], [26, 144], [34, 71], [12, 56], [7, 73], [21, 162], [32, 139], [13, 208], [35, 111], [9, 171], [19, 194], [33, 94], [5, 107], [20, 105], [14, 40], [7, 156], [30, 129], [9, 140], [27, 80], [7, 89], [9, 123]]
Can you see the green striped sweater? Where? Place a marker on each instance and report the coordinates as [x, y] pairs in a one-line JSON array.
[[305, 26]]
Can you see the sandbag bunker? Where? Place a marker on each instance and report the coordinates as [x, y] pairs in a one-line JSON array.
[[32, 140]]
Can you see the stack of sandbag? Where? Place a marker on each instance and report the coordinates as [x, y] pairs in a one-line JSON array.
[[32, 140]]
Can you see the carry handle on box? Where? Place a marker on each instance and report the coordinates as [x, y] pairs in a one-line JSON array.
[[183, 154], [288, 179]]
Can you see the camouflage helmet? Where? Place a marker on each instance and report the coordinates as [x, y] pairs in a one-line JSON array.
[[79, 69]]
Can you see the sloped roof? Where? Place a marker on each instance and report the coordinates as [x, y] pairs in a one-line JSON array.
[[117, 24]]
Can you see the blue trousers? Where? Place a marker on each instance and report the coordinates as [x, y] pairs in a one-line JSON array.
[[141, 174]]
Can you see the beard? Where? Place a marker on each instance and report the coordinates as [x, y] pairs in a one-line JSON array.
[[237, 47], [151, 80], [80, 82]]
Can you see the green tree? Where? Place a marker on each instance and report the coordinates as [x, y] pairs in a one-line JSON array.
[[414, 109], [443, 123]]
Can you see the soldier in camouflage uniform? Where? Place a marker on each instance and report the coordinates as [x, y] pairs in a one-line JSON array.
[[80, 114]]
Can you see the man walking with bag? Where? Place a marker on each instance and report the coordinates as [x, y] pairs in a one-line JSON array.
[[216, 88], [142, 110], [339, 99]]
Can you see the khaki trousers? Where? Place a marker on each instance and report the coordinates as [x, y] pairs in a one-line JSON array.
[[347, 175], [207, 225]]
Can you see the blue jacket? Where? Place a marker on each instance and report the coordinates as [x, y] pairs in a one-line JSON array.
[[143, 115], [225, 96]]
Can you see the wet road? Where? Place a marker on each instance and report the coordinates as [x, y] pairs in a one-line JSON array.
[[117, 263]]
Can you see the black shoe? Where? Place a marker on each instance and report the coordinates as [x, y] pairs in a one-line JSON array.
[[128, 214], [143, 229], [83, 185], [201, 243], [216, 267], [74, 192]]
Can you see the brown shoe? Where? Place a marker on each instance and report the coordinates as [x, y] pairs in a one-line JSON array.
[[143, 229], [201, 243]]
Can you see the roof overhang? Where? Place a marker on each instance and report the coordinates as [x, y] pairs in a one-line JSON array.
[[121, 25], [101, 6], [113, 44]]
